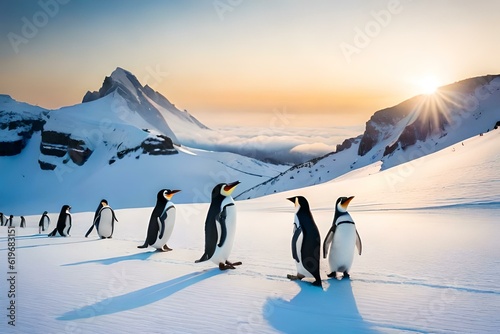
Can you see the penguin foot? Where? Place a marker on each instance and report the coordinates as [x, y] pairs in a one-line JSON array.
[[223, 266], [346, 275], [164, 249], [103, 237], [297, 277], [333, 274], [143, 246], [234, 263]]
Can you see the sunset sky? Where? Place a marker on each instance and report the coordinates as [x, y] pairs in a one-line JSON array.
[[238, 61]]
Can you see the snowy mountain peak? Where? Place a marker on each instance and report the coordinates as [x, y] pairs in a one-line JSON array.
[[419, 126], [157, 111]]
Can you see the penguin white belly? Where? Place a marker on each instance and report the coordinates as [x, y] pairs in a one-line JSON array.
[[221, 254], [169, 227], [342, 249], [67, 225], [300, 267], [105, 228], [45, 223]]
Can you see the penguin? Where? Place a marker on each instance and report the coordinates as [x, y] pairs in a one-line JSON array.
[[340, 240], [306, 242], [9, 221], [23, 222], [104, 221], [2, 218], [161, 222], [63, 225], [220, 227], [43, 223]]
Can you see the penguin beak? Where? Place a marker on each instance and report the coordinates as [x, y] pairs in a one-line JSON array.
[[229, 188], [294, 200], [346, 202], [171, 194]]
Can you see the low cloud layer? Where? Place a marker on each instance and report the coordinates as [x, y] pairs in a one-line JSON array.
[[282, 146]]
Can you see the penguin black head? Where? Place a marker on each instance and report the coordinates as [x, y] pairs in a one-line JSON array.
[[300, 202], [166, 194], [224, 189], [65, 208], [342, 203], [104, 202], [45, 212]]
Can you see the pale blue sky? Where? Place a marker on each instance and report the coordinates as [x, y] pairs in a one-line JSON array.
[[224, 58]]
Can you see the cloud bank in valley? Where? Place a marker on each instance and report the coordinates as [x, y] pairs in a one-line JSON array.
[[284, 146]]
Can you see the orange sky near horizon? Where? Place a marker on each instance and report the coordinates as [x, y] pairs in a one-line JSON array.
[[326, 64]]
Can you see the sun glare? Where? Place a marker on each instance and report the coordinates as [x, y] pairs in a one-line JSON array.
[[429, 85]]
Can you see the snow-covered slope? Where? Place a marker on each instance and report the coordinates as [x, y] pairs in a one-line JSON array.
[[119, 144], [416, 127], [423, 270]]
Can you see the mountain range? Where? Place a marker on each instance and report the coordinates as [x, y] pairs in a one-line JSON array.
[[126, 141]]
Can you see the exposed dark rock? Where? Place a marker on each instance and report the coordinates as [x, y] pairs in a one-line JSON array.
[[159, 145], [59, 144], [18, 131]]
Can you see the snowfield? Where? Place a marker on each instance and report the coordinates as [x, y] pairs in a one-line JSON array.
[[430, 261]]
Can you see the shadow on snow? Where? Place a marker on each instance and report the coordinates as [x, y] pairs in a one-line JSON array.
[[140, 297], [314, 310], [112, 260]]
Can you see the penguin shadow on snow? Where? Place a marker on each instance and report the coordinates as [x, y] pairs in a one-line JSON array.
[[314, 310], [51, 244], [112, 260], [139, 298]]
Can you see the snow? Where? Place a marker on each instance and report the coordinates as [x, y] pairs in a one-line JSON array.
[[429, 264]]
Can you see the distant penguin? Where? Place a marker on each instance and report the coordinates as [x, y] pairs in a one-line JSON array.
[[10, 220], [23, 222], [63, 225], [161, 222], [2, 219], [43, 223], [104, 221], [306, 242], [340, 240], [220, 227]]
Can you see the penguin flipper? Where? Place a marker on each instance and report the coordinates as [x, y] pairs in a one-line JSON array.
[[89, 231], [295, 238], [161, 227], [359, 246], [221, 220], [328, 241]]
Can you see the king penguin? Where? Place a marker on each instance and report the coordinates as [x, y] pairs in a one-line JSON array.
[[161, 222], [23, 222], [104, 221], [340, 240], [1, 219], [306, 242], [63, 225], [44, 222], [220, 227]]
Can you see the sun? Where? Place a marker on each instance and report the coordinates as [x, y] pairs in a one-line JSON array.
[[429, 85]]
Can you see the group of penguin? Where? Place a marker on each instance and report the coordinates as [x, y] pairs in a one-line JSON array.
[[220, 227], [103, 214], [10, 221]]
